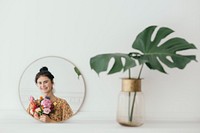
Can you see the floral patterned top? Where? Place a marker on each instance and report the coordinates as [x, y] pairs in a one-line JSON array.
[[62, 110]]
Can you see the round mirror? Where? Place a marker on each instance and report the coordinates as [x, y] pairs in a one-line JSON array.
[[52, 89]]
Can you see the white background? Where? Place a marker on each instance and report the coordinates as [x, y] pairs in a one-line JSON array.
[[80, 29]]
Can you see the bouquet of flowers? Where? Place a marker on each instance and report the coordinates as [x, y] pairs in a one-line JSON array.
[[41, 106]]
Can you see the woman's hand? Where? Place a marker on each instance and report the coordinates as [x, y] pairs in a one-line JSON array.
[[45, 118]]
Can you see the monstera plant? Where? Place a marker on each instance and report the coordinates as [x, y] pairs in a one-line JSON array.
[[147, 50]]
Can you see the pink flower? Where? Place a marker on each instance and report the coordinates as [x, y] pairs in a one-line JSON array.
[[46, 110], [32, 99], [46, 103], [40, 106]]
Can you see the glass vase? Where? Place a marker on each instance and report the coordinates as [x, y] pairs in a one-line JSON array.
[[130, 110]]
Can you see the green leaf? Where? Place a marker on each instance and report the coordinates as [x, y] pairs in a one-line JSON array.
[[100, 62], [77, 71], [155, 54]]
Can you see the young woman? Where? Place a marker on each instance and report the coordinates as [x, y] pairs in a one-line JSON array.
[[61, 109]]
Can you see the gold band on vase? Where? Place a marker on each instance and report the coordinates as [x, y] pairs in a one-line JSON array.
[[131, 85]]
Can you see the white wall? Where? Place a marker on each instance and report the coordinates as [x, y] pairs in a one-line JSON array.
[[80, 29]]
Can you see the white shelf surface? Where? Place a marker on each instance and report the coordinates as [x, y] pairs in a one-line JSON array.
[[98, 126], [23, 123]]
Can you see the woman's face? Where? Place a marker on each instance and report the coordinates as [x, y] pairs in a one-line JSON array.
[[45, 84]]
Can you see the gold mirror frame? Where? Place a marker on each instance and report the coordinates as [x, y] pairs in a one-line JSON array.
[[67, 76]]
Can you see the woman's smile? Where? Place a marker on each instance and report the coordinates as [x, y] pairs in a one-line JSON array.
[[45, 84]]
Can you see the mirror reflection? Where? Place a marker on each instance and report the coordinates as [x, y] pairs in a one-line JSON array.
[[52, 89]]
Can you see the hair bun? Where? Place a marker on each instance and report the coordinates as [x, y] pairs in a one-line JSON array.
[[43, 69]]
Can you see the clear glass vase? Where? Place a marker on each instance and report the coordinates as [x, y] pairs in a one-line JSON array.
[[131, 103]]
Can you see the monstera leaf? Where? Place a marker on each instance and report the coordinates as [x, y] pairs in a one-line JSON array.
[[100, 62], [77, 71], [148, 50], [155, 53]]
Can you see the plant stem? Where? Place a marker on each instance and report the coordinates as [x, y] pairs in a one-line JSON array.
[[140, 71], [129, 103], [130, 114], [129, 73], [129, 94], [132, 108], [134, 97]]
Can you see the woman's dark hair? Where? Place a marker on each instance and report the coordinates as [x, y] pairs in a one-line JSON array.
[[44, 72]]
